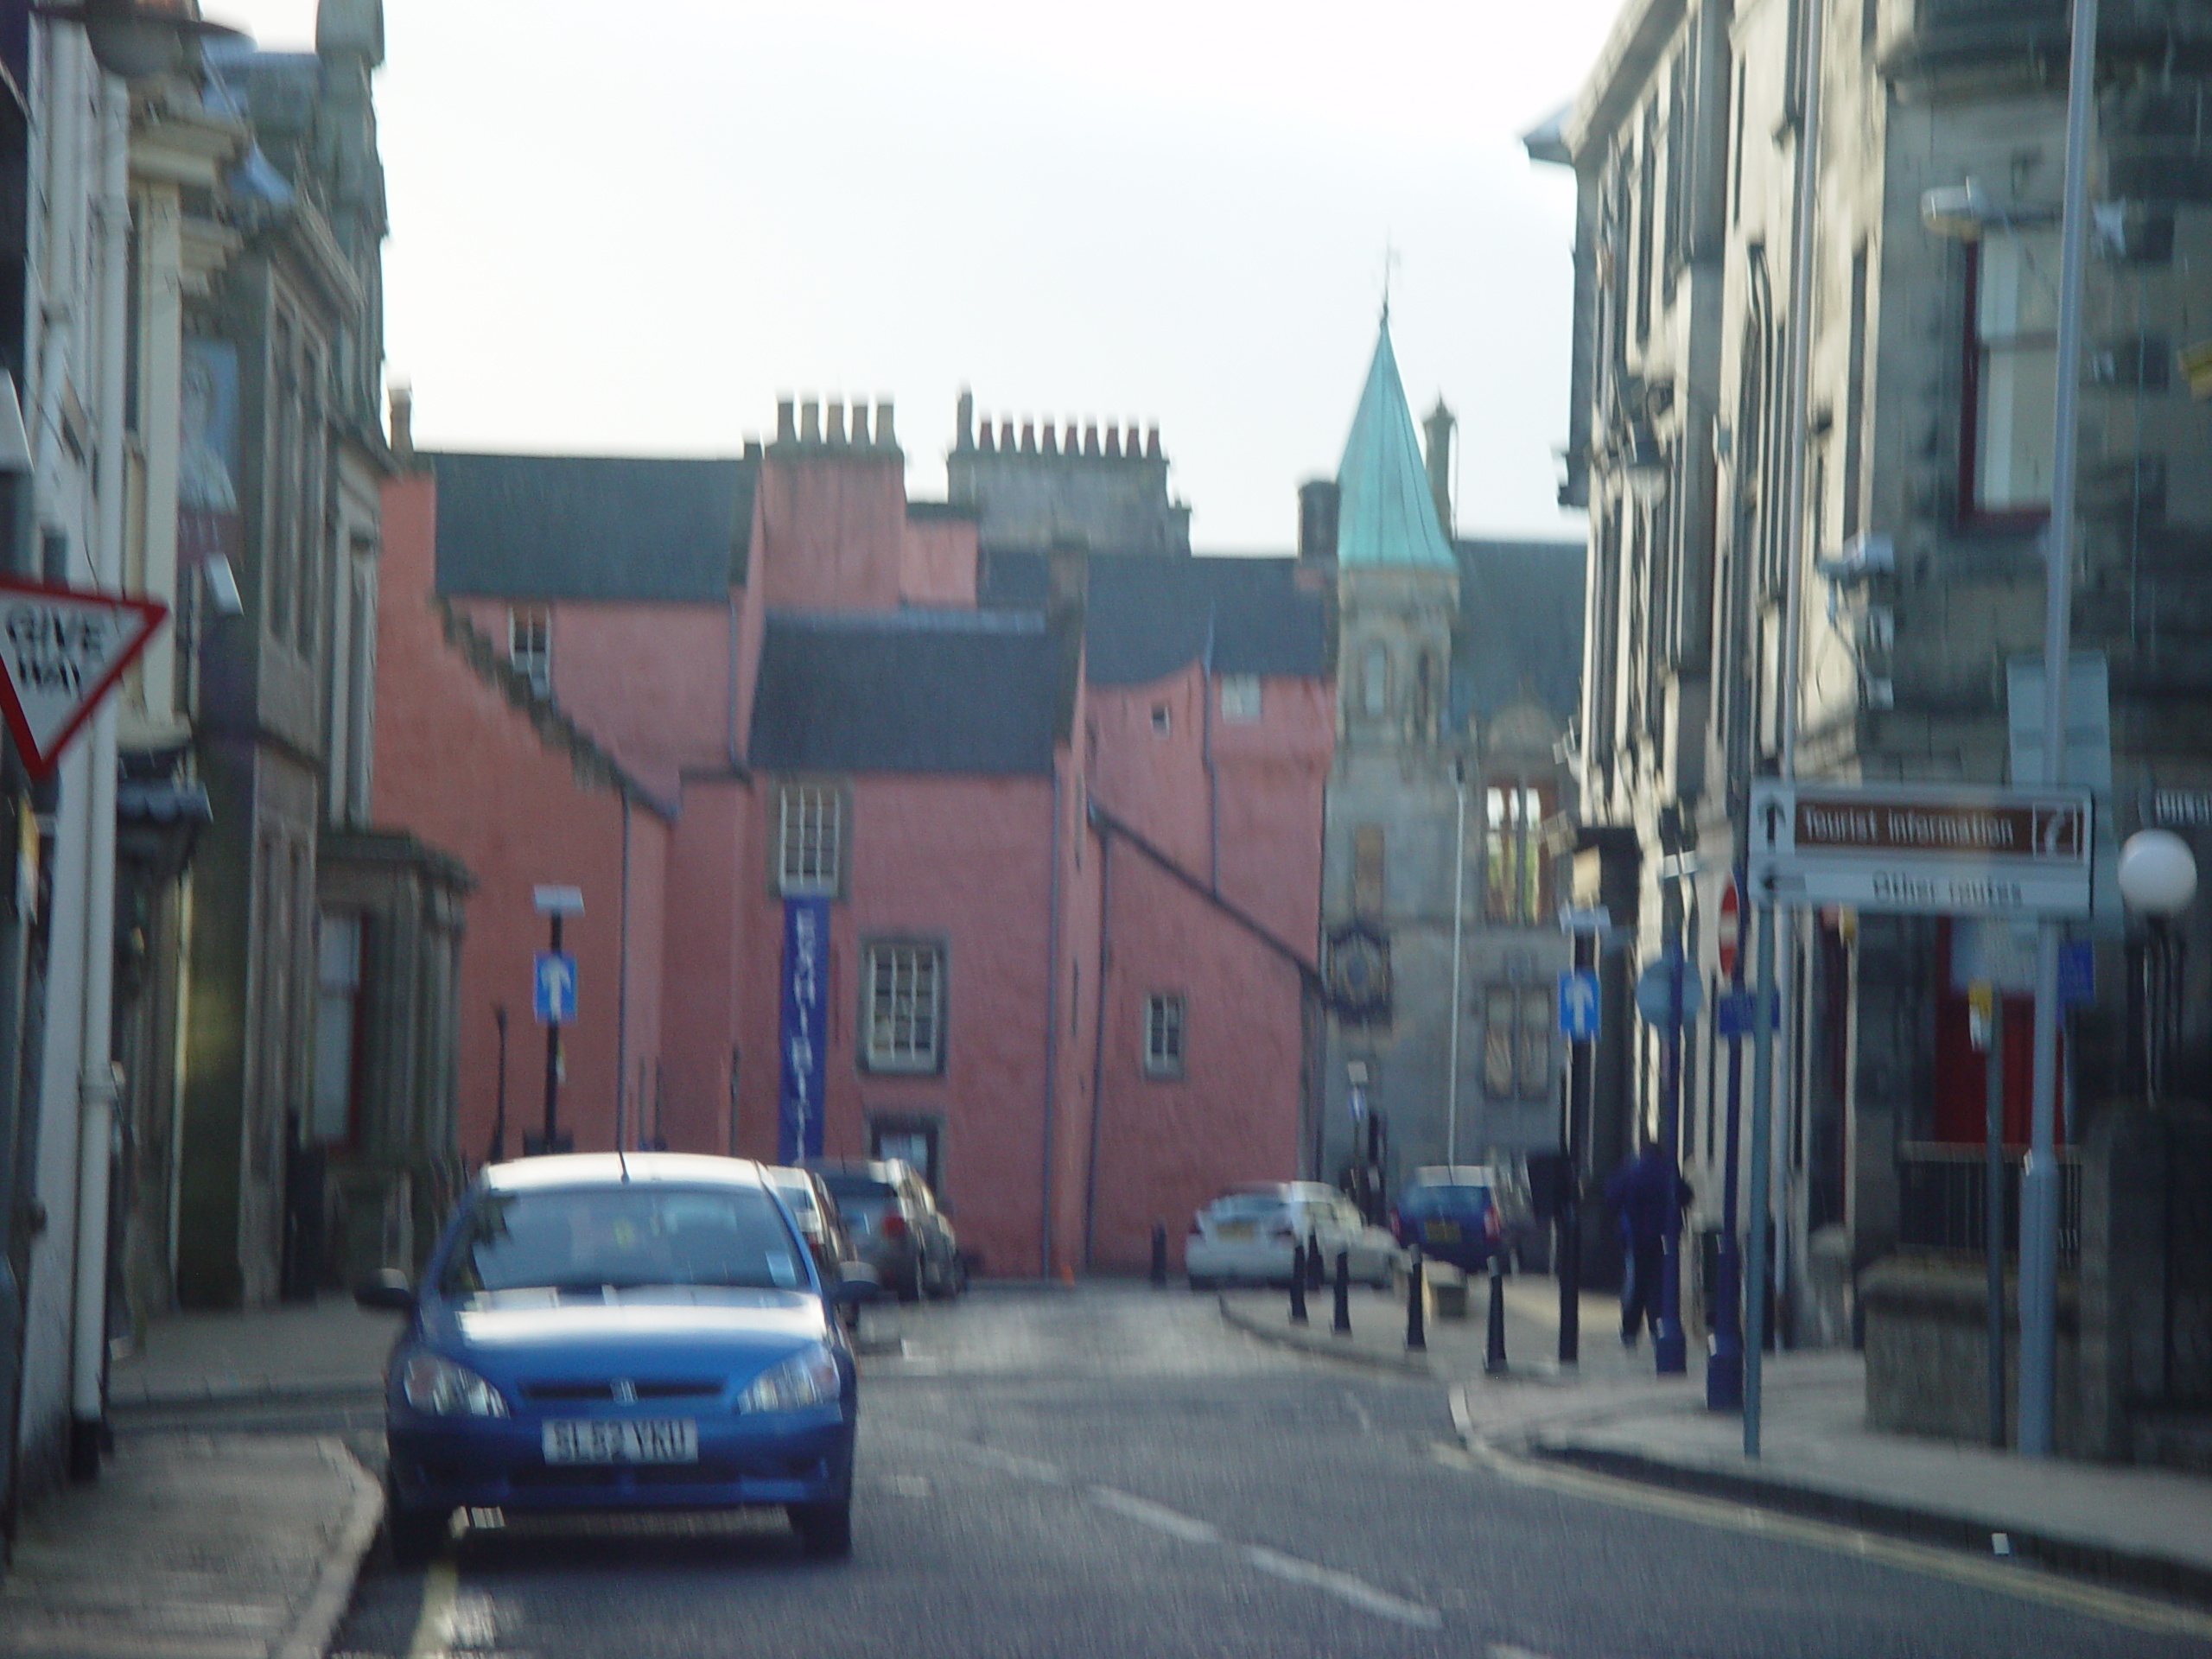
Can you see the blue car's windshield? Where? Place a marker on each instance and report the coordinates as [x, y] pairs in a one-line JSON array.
[[626, 1237]]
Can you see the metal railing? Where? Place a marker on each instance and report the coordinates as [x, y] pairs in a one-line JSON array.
[[1943, 1196]]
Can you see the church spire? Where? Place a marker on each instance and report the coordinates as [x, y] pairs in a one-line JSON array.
[[1387, 516]]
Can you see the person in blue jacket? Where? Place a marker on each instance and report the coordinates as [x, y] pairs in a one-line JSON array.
[[1648, 1197]]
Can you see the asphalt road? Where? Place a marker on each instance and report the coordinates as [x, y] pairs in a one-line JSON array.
[[1113, 1472]]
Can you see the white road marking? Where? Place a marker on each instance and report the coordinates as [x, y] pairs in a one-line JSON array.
[[1145, 1513], [1507, 1651], [1352, 1403], [910, 1486], [1343, 1587], [435, 1619], [1014, 1464]]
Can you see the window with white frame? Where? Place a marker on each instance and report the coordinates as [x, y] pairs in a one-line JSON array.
[[905, 1007], [2012, 371], [1163, 1035], [810, 838], [1518, 1022], [1239, 697], [1163, 720], [530, 646]]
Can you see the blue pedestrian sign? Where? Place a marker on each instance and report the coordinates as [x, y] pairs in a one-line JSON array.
[[1578, 1004], [554, 988], [2077, 975], [1735, 1014], [1667, 993]]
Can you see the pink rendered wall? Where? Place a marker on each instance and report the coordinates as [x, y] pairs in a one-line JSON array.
[[940, 566], [1166, 1147], [832, 528], [966, 861], [708, 861], [1155, 784], [650, 682], [463, 768]]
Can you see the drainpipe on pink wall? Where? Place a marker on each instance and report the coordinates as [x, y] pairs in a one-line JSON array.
[[1098, 1045], [1213, 777], [730, 728], [1051, 1018], [622, 982]]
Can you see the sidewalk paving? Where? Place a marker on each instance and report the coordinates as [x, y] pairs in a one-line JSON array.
[[2148, 1527], [199, 1542]]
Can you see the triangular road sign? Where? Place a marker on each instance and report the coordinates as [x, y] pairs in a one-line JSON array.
[[63, 650]]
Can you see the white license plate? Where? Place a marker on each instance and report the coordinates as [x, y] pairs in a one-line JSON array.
[[612, 1440]]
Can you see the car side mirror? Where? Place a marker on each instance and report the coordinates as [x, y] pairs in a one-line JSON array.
[[387, 1290], [856, 1285]]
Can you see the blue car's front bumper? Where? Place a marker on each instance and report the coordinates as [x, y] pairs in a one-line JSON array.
[[446, 1463]]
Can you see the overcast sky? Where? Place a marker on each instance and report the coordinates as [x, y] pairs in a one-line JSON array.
[[628, 228]]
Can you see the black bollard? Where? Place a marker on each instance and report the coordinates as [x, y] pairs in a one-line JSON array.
[[1342, 1325], [1494, 1352], [1298, 1284], [1416, 1314], [1159, 1253], [1313, 1259]]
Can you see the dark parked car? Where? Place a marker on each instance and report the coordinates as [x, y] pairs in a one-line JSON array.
[[597, 1333], [896, 1226], [1459, 1213]]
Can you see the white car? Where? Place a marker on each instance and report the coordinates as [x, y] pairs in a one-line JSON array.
[[1247, 1234]]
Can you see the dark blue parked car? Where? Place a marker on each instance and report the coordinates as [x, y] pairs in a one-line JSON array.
[[1452, 1214], [594, 1333]]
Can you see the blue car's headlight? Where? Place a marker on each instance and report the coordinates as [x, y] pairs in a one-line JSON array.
[[809, 1377], [435, 1385]]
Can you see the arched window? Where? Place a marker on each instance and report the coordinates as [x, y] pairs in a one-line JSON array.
[[1374, 680]]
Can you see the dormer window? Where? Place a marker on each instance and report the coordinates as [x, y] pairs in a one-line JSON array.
[[530, 646], [1163, 720]]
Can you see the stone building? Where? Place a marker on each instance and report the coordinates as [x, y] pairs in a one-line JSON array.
[[1881, 636], [1455, 686]]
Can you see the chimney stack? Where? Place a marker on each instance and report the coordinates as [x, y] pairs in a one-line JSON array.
[[403, 425], [809, 422], [833, 424], [786, 422], [964, 420], [885, 436], [1438, 427], [860, 424], [1151, 442], [1317, 503]]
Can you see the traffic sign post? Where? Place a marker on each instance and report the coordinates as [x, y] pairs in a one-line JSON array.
[[1577, 1004], [554, 988], [61, 651], [554, 991], [1733, 1016], [1668, 995]]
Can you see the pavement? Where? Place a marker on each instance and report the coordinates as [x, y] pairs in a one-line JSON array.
[[206, 1537], [2146, 1528]]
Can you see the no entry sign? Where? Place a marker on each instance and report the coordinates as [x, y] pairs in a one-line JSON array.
[[63, 650]]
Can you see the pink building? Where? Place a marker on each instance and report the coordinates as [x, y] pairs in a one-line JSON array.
[[1007, 866]]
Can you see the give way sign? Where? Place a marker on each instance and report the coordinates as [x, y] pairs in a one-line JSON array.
[[63, 650]]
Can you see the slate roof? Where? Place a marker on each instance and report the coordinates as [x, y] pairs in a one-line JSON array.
[[1147, 617], [593, 527], [974, 692], [1520, 628], [1387, 515]]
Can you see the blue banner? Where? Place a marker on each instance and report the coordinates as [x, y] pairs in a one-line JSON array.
[[803, 1040]]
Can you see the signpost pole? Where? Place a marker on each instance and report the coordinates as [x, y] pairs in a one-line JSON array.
[[1724, 1369], [1580, 1062], [1670, 1348], [2039, 1177], [552, 1054], [1992, 1209], [1761, 1178]]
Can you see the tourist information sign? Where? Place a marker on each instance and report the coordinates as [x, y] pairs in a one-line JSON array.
[[1908, 849], [61, 651]]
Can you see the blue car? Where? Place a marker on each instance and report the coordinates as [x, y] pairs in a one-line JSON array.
[[599, 1333], [1452, 1214]]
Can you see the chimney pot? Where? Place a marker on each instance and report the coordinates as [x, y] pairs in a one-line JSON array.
[[987, 437], [809, 422], [833, 424], [1090, 438], [402, 424], [1029, 437], [1070, 442], [786, 422], [1151, 442], [885, 436], [860, 426], [1051, 445], [1317, 506], [1112, 443], [1130, 443], [1006, 437], [964, 420]]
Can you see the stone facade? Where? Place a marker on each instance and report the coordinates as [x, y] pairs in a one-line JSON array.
[[1875, 644]]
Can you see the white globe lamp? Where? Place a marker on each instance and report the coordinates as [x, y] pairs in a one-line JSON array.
[[2157, 873]]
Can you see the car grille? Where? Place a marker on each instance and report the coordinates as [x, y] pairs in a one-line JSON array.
[[565, 1391]]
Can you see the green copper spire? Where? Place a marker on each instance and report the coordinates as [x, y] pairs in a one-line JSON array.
[[1386, 514]]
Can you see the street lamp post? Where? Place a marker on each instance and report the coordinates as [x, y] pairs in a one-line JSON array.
[[2157, 879]]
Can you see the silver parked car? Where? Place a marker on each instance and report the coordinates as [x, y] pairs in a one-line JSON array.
[[896, 1226], [1247, 1235]]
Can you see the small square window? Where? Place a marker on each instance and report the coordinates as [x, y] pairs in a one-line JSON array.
[[530, 647], [1239, 697], [810, 837], [1163, 1036], [1163, 720], [905, 1012]]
